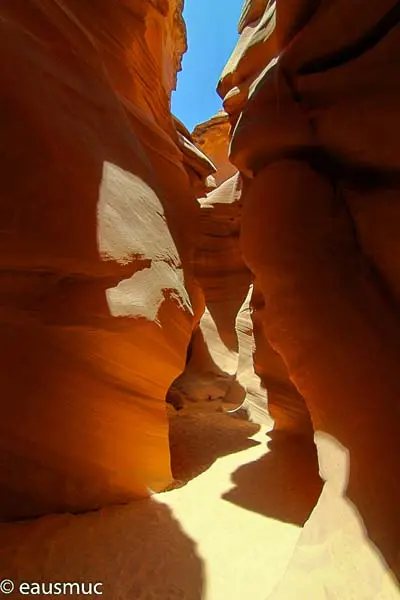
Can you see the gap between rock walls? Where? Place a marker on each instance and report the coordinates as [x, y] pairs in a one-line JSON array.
[[200, 329]]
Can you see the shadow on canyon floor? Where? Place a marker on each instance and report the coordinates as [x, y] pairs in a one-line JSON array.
[[135, 551], [284, 484], [198, 440]]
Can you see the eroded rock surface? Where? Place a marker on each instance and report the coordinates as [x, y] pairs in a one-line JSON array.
[[310, 92], [98, 216], [100, 299], [212, 137], [210, 375], [220, 373]]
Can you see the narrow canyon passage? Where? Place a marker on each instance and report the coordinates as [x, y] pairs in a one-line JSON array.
[[213, 537], [200, 328]]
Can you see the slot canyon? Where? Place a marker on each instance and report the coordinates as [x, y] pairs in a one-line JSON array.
[[200, 330]]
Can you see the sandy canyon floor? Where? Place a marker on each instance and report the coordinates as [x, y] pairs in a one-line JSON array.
[[228, 531]]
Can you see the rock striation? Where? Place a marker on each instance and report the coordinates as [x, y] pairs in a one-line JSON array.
[[212, 137], [199, 167], [309, 91], [210, 379], [219, 374], [98, 217]]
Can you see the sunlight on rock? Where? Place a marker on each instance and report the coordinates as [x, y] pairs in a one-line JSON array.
[[125, 199], [223, 357], [256, 400], [334, 558], [200, 331], [334, 461], [143, 294]]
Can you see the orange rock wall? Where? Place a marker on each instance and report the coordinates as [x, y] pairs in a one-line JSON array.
[[210, 376], [98, 217], [212, 137], [310, 89]]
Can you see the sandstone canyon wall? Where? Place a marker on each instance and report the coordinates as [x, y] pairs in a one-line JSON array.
[[98, 215], [311, 91], [229, 344], [210, 379], [212, 137], [219, 374], [108, 260]]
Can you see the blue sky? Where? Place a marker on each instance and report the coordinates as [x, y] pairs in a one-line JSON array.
[[212, 35]]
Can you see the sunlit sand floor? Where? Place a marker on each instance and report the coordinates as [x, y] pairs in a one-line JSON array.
[[229, 532]]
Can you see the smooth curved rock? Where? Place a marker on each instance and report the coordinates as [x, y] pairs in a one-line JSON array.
[[210, 376], [255, 404], [310, 89], [212, 137], [199, 167], [98, 219]]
